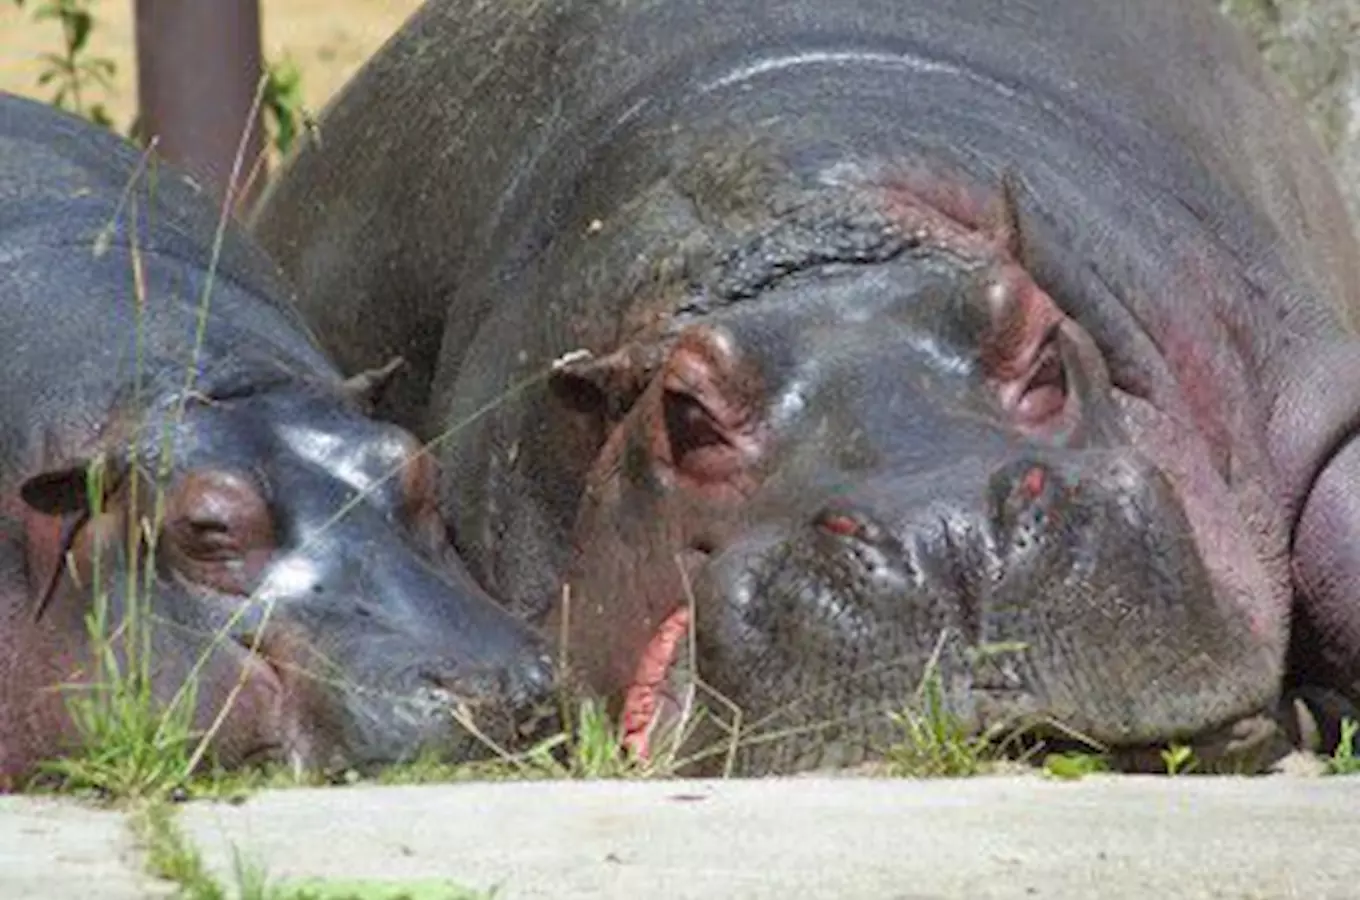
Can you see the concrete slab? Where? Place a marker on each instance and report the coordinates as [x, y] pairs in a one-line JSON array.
[[53, 849], [1000, 837]]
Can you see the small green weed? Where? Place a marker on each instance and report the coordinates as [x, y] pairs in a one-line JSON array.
[[281, 103], [1343, 760], [77, 76], [1179, 759], [171, 856], [1072, 766], [934, 743]]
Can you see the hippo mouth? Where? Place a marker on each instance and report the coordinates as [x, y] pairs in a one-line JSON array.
[[654, 700]]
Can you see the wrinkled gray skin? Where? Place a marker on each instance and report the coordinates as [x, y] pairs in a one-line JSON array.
[[369, 631], [1013, 339]]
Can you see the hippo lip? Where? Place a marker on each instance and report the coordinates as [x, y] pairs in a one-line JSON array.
[[651, 701]]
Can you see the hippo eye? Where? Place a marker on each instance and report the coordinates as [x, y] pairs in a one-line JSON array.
[[1045, 393], [215, 520], [697, 443], [690, 426], [210, 538]]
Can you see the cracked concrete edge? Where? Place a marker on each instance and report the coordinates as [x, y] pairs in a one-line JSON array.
[[55, 848]]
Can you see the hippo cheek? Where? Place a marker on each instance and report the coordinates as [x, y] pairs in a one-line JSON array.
[[240, 701], [237, 696], [670, 484]]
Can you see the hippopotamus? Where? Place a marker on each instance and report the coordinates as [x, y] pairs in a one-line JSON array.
[[813, 353], [176, 451]]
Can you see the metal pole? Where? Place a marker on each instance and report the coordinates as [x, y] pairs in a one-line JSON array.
[[198, 66]]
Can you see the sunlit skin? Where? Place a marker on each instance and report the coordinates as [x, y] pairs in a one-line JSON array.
[[1013, 341]]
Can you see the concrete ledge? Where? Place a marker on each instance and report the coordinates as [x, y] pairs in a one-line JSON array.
[[998, 837], [54, 849]]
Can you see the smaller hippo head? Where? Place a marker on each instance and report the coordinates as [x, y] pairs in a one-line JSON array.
[[289, 551], [888, 465]]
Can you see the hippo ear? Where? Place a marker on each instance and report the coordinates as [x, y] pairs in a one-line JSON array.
[[78, 488], [605, 384], [366, 387], [1003, 216]]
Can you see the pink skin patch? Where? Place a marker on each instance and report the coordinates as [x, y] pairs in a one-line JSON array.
[[1033, 482], [642, 700], [840, 524]]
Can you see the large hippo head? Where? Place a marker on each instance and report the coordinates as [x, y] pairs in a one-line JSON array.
[[294, 568], [871, 447]]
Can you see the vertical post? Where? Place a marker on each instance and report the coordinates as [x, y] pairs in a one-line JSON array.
[[198, 67]]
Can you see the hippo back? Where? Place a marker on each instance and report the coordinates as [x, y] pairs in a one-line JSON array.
[[495, 100], [446, 209], [75, 201]]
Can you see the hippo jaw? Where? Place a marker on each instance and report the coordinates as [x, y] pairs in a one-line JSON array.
[[302, 580], [877, 472]]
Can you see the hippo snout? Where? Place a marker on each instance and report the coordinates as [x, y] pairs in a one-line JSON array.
[[1061, 586], [517, 698], [425, 662]]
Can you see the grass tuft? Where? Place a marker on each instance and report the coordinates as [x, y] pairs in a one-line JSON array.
[[170, 855], [132, 746], [1343, 760], [589, 747], [1179, 759], [934, 743]]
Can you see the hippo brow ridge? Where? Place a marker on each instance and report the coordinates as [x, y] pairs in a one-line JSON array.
[[797, 246]]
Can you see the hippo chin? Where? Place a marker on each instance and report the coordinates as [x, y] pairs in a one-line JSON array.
[[1009, 344], [285, 550]]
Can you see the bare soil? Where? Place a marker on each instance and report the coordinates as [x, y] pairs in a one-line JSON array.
[[327, 39]]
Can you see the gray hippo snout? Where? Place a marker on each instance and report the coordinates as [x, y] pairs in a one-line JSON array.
[[1065, 586], [420, 658]]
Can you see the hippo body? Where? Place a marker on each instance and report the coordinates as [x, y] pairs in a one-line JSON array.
[[1011, 342], [284, 520]]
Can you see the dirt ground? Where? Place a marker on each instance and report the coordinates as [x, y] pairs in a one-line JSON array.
[[327, 39]]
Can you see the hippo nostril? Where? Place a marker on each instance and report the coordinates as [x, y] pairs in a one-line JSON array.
[[848, 524], [838, 524], [1025, 496]]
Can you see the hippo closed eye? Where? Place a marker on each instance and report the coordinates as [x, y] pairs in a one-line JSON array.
[[1009, 342], [286, 549]]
